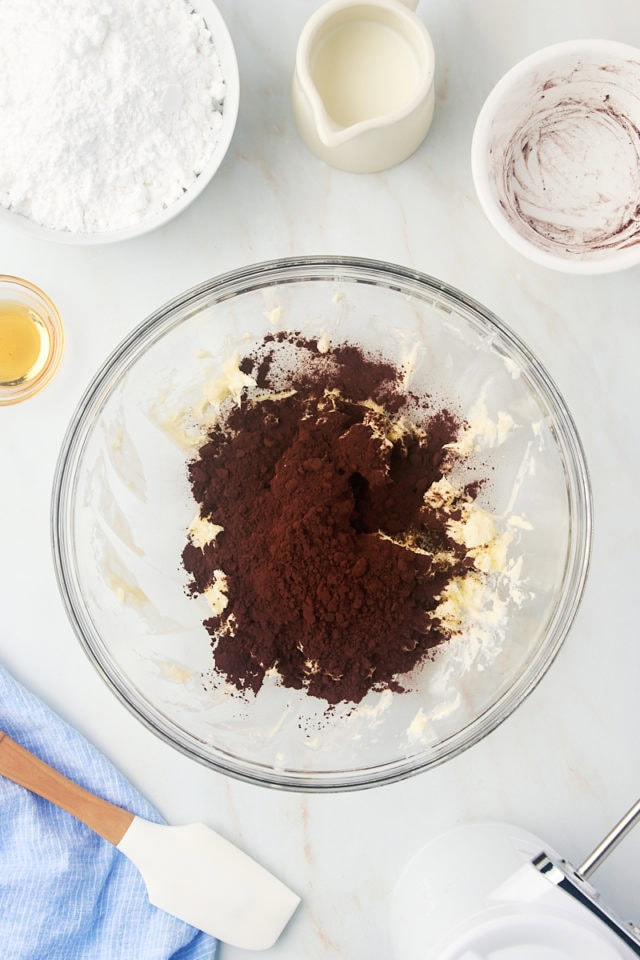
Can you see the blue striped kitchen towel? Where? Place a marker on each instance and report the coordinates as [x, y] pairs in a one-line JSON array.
[[66, 894]]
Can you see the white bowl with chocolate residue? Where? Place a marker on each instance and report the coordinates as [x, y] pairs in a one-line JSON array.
[[556, 156]]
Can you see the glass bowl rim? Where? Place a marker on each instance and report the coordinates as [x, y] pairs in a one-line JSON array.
[[260, 276]]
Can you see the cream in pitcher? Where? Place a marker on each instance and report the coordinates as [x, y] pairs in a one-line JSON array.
[[363, 84]]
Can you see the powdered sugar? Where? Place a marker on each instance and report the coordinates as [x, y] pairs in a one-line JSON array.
[[108, 110]]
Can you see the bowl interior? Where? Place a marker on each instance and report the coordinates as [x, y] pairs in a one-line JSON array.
[[556, 154], [122, 507]]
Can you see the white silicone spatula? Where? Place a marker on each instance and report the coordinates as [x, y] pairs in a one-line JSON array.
[[191, 871]]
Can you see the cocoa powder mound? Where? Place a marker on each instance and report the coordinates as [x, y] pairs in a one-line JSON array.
[[333, 561]]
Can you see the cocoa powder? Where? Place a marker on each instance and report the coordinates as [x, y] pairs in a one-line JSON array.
[[334, 564]]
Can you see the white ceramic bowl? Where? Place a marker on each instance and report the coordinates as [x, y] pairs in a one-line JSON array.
[[556, 156], [226, 53]]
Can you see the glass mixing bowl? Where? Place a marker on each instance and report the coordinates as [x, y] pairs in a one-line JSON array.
[[122, 506]]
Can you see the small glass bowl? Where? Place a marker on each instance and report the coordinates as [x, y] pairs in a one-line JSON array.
[[16, 290], [122, 504]]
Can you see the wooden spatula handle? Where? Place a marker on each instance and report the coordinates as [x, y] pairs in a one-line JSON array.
[[19, 765]]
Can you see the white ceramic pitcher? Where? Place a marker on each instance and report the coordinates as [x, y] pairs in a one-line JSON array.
[[363, 83]]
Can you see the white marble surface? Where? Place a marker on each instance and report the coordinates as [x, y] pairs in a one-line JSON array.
[[567, 763]]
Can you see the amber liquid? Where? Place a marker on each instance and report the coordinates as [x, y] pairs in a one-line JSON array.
[[24, 343]]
